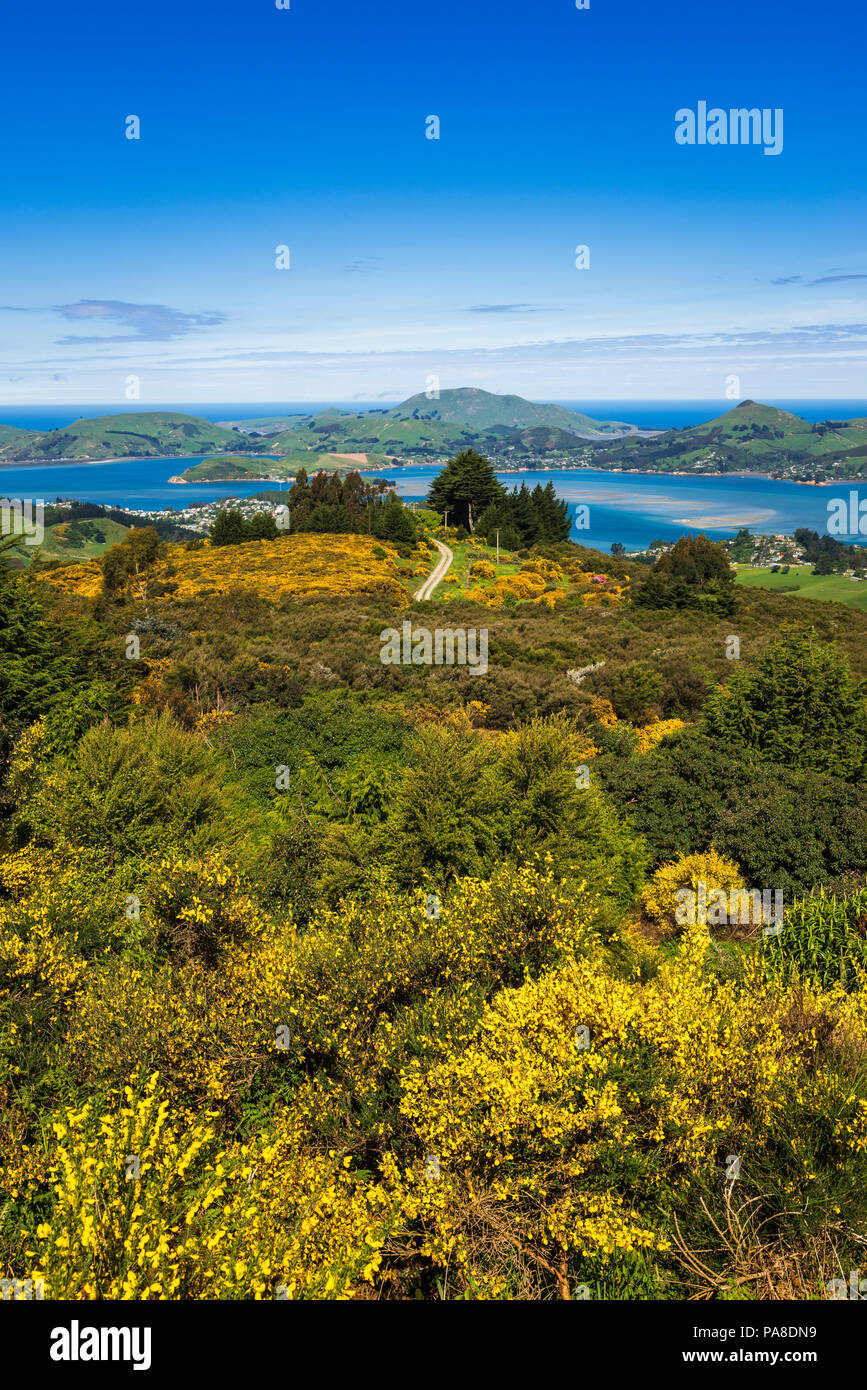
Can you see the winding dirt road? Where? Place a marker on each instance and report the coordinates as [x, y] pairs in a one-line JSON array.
[[427, 589]]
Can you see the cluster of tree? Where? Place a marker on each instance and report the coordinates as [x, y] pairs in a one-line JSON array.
[[326, 502], [470, 494], [464, 489], [524, 518], [695, 573], [773, 774], [230, 527], [827, 555]]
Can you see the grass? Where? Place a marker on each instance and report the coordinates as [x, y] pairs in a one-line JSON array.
[[58, 546], [509, 564], [801, 581], [228, 467]]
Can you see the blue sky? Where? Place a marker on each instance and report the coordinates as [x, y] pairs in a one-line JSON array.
[[414, 258]]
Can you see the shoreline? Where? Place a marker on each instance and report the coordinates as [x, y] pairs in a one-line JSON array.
[[216, 482], [438, 463]]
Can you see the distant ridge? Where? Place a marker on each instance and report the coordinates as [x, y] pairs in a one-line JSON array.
[[139, 434], [750, 437], [469, 405]]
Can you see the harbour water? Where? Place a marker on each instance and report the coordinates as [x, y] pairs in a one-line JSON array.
[[633, 508]]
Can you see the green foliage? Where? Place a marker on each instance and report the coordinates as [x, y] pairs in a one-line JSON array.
[[527, 518], [798, 705], [824, 940], [326, 503], [32, 661], [132, 792], [228, 527], [786, 828], [635, 690], [464, 806], [465, 488], [131, 559], [43, 665], [695, 573]]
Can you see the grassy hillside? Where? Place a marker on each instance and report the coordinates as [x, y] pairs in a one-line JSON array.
[[801, 581], [480, 410], [235, 467], [80, 540], [12, 438], [749, 438], [458, 419], [145, 434]]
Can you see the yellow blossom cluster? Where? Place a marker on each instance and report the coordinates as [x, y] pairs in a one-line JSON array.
[[687, 873], [294, 566], [650, 735], [548, 1101]]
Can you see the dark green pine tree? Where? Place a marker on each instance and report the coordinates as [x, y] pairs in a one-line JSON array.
[[352, 497], [261, 527], [465, 488], [554, 515], [298, 500], [491, 520], [228, 527], [524, 518], [399, 525]]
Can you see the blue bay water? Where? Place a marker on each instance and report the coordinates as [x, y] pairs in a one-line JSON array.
[[634, 508], [638, 508]]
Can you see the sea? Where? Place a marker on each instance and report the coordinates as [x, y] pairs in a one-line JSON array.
[[633, 509]]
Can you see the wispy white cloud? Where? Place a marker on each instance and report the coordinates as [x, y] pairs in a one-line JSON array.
[[507, 309], [149, 322]]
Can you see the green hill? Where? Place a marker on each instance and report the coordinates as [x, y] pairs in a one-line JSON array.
[[749, 438], [458, 419], [12, 437], [481, 410], [238, 467], [145, 434]]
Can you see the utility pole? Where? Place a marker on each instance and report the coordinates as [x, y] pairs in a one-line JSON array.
[[498, 547], [446, 519]]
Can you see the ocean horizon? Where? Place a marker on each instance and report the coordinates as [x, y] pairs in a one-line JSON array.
[[646, 414]]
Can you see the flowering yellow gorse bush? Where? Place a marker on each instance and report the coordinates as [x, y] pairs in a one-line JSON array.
[[712, 870], [549, 1104], [649, 735], [148, 1205], [301, 566], [542, 581]]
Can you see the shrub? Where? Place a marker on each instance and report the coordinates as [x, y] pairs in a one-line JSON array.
[[197, 908], [713, 870], [131, 792], [799, 706]]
